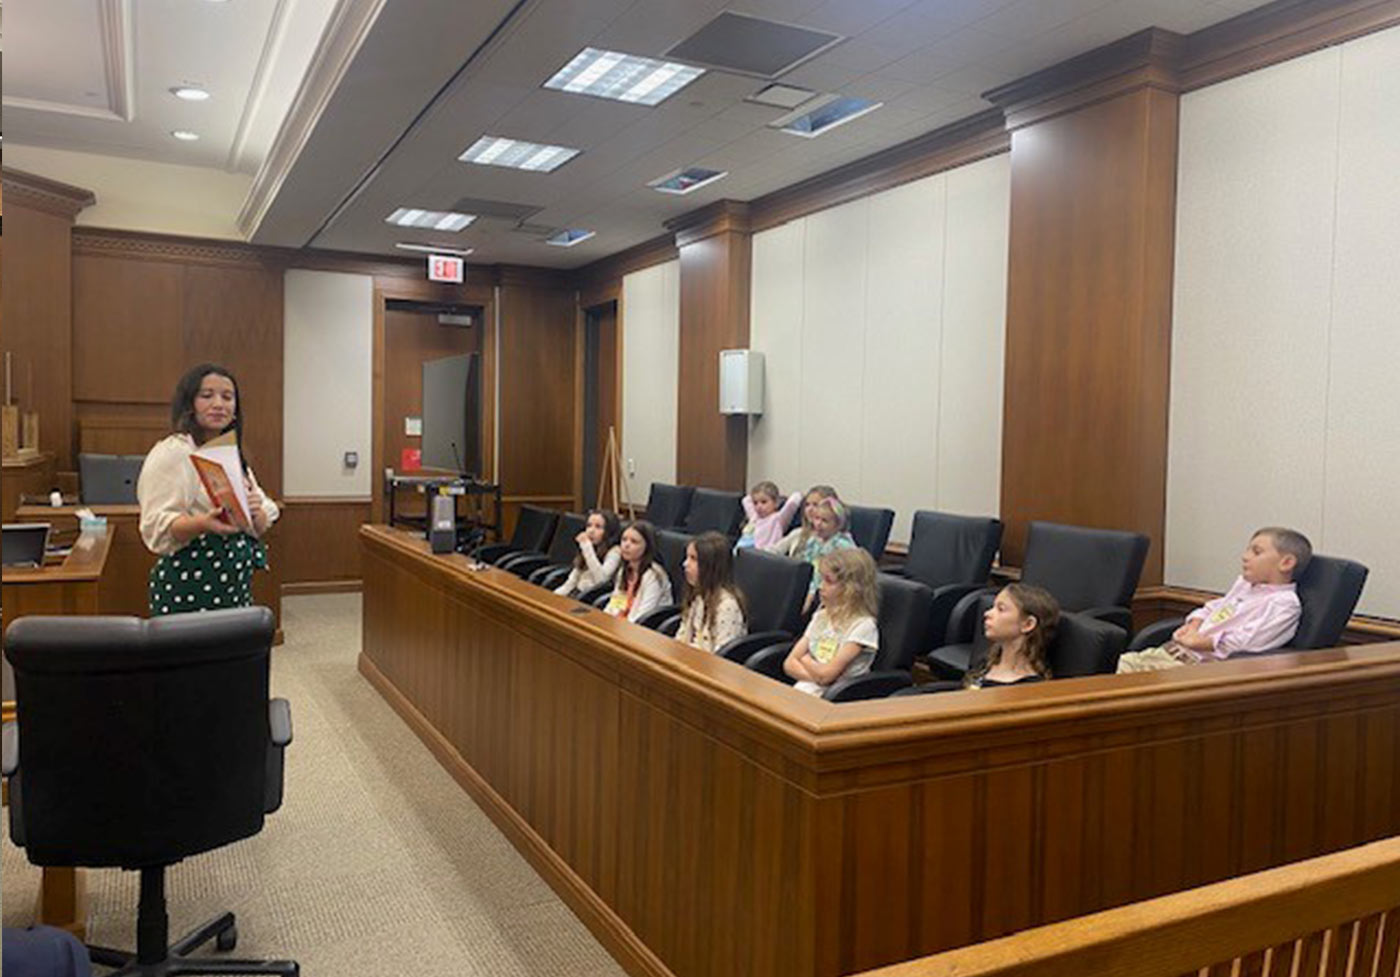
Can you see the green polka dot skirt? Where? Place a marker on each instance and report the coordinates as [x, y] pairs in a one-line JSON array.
[[207, 573]]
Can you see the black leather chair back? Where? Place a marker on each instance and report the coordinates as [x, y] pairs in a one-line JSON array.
[[1328, 590], [534, 528], [870, 528], [774, 588], [1082, 645], [947, 549], [179, 708], [668, 504], [563, 547], [671, 546], [711, 509], [1084, 568], [905, 606]]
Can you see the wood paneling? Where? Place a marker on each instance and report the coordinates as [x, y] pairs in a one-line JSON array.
[[122, 429], [536, 364], [26, 476], [127, 325], [601, 281], [1088, 331], [716, 254], [318, 539], [669, 795]]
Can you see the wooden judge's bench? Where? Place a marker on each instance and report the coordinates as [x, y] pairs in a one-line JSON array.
[[704, 820]]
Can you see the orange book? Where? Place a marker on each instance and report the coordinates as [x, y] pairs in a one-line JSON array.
[[219, 469]]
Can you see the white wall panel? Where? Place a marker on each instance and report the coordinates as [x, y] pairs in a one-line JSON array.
[[327, 326], [775, 329], [1363, 414], [1257, 172], [974, 337], [903, 337], [650, 329], [833, 344]]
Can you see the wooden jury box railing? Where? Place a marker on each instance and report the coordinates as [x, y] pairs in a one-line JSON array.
[[1338, 914], [704, 820]]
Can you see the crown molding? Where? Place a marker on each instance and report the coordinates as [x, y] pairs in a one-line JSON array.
[[115, 38], [109, 242], [654, 251], [41, 193], [344, 35], [530, 276], [720, 217], [1148, 59]]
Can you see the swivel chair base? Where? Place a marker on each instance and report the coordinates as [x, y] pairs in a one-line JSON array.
[[154, 959]]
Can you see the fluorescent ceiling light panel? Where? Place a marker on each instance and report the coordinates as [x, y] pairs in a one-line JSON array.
[[833, 110], [623, 77], [569, 236], [436, 220], [687, 180], [190, 93], [518, 155], [433, 249], [184, 135]]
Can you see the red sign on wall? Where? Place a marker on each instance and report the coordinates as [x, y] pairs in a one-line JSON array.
[[444, 268]]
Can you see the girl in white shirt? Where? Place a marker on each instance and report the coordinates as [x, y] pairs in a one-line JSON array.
[[642, 584], [843, 637], [713, 612], [206, 562], [599, 535]]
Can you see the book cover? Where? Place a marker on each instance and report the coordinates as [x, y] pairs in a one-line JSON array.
[[219, 469]]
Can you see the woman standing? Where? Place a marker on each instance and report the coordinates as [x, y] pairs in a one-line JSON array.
[[206, 562]]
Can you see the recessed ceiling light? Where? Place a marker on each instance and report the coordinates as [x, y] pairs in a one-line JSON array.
[[433, 249], [624, 77], [569, 236], [687, 180], [190, 93], [184, 135], [518, 155], [830, 112], [437, 220]]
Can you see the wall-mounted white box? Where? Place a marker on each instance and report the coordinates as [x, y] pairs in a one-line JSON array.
[[740, 381]]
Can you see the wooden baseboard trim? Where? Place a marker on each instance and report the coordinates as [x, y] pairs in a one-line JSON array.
[[304, 587], [616, 936]]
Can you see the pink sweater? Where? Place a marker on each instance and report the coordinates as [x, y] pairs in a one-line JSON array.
[[768, 530]]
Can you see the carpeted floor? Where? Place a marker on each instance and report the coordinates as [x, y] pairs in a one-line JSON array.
[[377, 863]]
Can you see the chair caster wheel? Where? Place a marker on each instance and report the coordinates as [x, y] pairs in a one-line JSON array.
[[227, 940]]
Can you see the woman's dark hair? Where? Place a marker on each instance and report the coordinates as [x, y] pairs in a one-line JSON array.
[[612, 529], [1036, 602], [648, 533], [182, 419], [715, 565]]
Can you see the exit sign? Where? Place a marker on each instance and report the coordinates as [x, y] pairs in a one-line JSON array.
[[444, 268]]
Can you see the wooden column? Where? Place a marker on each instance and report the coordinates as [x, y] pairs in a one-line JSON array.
[[1088, 329], [38, 302], [716, 255]]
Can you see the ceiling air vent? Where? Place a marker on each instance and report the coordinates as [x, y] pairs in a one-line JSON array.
[[750, 45]]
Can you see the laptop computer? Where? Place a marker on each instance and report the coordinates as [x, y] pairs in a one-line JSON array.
[[109, 479], [23, 543]]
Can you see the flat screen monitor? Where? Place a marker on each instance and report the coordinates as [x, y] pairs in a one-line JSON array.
[[452, 414], [23, 544], [108, 479]]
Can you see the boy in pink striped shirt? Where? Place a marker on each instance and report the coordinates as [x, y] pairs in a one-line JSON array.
[[1259, 612]]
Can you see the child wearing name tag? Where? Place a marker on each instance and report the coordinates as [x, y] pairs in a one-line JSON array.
[[842, 638], [641, 584]]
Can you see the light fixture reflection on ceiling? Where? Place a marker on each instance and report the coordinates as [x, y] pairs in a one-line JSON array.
[[436, 220], [517, 154], [190, 93], [184, 135], [622, 77]]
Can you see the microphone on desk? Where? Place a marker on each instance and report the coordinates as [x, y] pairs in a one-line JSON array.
[[458, 455]]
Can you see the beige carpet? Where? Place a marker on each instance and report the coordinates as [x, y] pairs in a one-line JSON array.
[[377, 863]]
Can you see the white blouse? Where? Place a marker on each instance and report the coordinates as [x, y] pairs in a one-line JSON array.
[[729, 624], [593, 573], [169, 488]]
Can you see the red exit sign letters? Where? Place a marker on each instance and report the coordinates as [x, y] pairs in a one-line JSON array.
[[444, 268]]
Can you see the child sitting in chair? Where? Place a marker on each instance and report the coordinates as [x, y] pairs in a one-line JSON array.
[[1259, 612]]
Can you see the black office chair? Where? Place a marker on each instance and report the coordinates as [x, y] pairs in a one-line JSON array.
[[1089, 571], [870, 528], [138, 744], [1328, 591], [667, 505], [534, 528], [560, 552], [774, 589], [952, 556], [905, 607], [711, 509], [1082, 646]]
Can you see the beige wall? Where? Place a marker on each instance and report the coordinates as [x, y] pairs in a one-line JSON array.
[[649, 319], [882, 322], [137, 195], [1285, 406]]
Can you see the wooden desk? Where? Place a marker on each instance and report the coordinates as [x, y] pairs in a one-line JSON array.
[[125, 590], [704, 820], [73, 586], [28, 475]]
